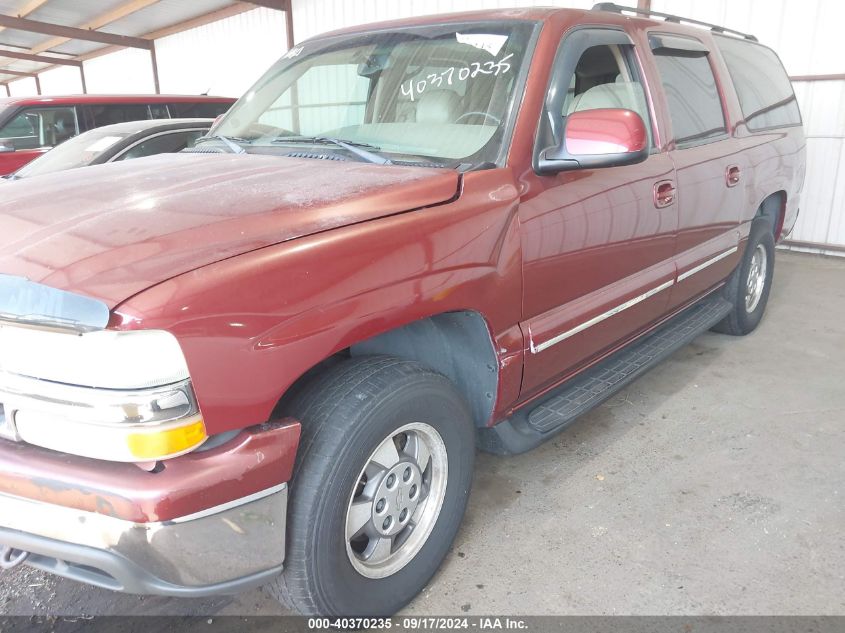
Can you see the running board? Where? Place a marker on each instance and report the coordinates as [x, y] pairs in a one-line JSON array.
[[530, 427]]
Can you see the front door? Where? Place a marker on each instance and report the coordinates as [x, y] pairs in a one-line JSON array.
[[598, 244]]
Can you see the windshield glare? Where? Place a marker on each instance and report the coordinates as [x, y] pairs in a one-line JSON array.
[[438, 92], [75, 152]]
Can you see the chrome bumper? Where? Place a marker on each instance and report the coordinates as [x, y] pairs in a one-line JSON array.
[[221, 550]]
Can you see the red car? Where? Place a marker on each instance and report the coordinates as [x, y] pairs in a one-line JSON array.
[[271, 359], [30, 126]]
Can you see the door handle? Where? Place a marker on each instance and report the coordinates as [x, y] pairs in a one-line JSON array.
[[664, 194], [732, 174]]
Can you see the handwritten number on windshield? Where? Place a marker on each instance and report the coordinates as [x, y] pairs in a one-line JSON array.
[[414, 88]]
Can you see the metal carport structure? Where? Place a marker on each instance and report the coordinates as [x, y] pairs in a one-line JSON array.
[[39, 35]]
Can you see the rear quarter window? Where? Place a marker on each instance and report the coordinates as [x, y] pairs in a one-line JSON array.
[[762, 85]]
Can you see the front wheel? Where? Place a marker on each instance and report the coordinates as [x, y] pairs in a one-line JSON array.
[[379, 489], [749, 285]]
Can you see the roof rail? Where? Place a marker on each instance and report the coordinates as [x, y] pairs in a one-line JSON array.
[[668, 17]]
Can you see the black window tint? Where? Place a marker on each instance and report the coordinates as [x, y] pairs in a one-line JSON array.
[[100, 115], [40, 127], [165, 143], [764, 90], [694, 103], [21, 132], [159, 111], [197, 110]]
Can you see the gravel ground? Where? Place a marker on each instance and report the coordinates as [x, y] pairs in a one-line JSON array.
[[713, 485]]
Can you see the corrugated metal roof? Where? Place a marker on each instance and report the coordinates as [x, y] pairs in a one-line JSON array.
[[161, 14], [72, 12], [21, 65], [19, 38]]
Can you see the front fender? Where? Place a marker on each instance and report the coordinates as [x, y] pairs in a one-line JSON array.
[[251, 325]]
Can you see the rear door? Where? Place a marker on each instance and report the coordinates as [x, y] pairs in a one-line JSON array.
[[709, 165], [598, 251]]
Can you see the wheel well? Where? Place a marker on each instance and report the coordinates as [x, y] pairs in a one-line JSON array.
[[773, 209], [457, 344]]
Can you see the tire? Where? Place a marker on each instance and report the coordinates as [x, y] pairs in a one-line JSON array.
[[347, 413], [748, 307]]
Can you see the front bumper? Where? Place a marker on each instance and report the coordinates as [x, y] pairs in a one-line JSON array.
[[222, 550], [209, 522]]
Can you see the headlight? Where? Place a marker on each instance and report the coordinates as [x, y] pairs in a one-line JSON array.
[[118, 396], [105, 358]]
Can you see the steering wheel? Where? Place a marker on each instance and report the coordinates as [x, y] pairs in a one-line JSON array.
[[486, 115]]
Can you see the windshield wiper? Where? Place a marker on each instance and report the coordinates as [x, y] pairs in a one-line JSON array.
[[351, 146], [230, 141]]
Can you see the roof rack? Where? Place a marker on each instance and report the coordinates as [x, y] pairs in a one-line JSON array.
[[668, 17]]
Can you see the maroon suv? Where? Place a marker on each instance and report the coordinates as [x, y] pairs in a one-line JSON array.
[[30, 126], [271, 360]]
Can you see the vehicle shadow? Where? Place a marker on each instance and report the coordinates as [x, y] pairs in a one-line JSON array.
[[501, 482]]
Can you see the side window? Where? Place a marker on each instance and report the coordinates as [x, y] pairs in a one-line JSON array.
[[159, 111], [594, 69], [21, 132], [762, 85], [693, 97], [100, 115], [40, 127], [313, 101], [163, 144], [197, 110], [606, 77]]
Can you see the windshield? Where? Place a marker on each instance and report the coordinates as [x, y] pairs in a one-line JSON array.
[[440, 93], [76, 152]]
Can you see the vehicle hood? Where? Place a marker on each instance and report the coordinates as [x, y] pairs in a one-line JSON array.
[[111, 231]]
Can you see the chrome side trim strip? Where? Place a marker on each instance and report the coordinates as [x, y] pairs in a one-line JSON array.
[[223, 506], [709, 262], [536, 349]]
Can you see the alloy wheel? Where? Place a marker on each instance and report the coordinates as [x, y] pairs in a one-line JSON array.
[[396, 500], [756, 280]]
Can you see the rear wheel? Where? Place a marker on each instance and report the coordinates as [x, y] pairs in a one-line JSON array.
[[749, 285], [379, 489]]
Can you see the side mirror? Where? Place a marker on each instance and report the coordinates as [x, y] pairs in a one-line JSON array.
[[598, 138], [5, 149]]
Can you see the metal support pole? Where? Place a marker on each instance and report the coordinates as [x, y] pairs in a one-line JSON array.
[[37, 85], [82, 77], [154, 61], [294, 91], [289, 24]]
